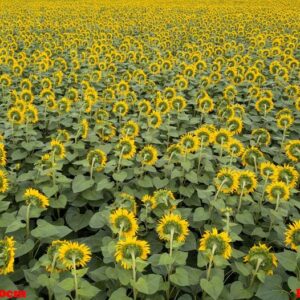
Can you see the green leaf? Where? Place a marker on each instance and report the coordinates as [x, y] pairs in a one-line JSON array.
[[149, 284], [288, 260], [87, 290], [67, 284], [22, 249], [245, 218], [243, 268], [200, 215], [76, 220], [80, 184], [14, 226], [97, 220], [192, 177], [120, 176], [293, 283], [165, 259], [45, 230], [186, 276], [271, 289], [238, 291], [212, 287], [104, 184], [160, 183], [119, 294]]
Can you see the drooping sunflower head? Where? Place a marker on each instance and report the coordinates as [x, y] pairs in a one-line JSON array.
[[247, 182], [3, 182], [149, 201], [204, 135], [216, 243], [123, 222], [127, 148], [175, 151], [206, 105], [287, 174], [261, 136], [129, 249], [181, 83], [35, 198], [239, 110], [226, 180], [278, 190], [230, 92], [264, 105], [3, 156], [292, 235], [63, 135], [58, 148], [189, 142], [55, 264], [285, 121], [261, 253], [292, 150], [144, 107], [154, 119], [165, 198], [120, 108], [127, 201], [172, 226], [31, 114], [178, 103], [163, 106], [130, 129], [16, 116], [252, 156], [97, 159], [7, 255], [84, 128], [234, 147], [222, 136], [27, 96], [148, 155], [224, 113], [106, 131], [73, 254], [235, 125], [267, 169]]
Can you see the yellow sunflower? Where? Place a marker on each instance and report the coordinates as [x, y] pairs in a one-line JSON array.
[[148, 155], [35, 198], [130, 129], [278, 190], [3, 157], [127, 148], [16, 116], [58, 148], [292, 235], [154, 119], [189, 142], [226, 180], [97, 159], [292, 150], [3, 182], [247, 182], [287, 174], [149, 201], [7, 255]]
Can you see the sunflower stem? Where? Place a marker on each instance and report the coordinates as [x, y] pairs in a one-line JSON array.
[[50, 293], [241, 196], [283, 136], [120, 159], [92, 168], [227, 228], [264, 191], [134, 275], [170, 265], [221, 150], [28, 220], [75, 278], [277, 201], [214, 248], [259, 261], [200, 156], [255, 164]]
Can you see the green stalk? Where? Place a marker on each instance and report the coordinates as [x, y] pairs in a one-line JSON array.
[[211, 261], [75, 278], [134, 274], [259, 261], [28, 221]]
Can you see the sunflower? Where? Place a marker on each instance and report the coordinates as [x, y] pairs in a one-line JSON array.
[[292, 150], [154, 119], [36, 198], [260, 255], [178, 103], [107, 131], [216, 243], [181, 83], [286, 174], [224, 113], [73, 254], [101, 115], [124, 222], [97, 158], [7, 255], [235, 125], [129, 249], [267, 169], [21, 104], [144, 107], [120, 108], [234, 147], [172, 226], [206, 105], [204, 135], [264, 105], [297, 104], [58, 148], [3, 157], [63, 135], [278, 190], [285, 121], [247, 182], [126, 201], [230, 92], [175, 150], [123, 87], [31, 114], [189, 142], [226, 180], [149, 201], [27, 96], [84, 128], [251, 156], [16, 116], [222, 136], [130, 129], [292, 235], [3, 182], [127, 147], [55, 264], [148, 155], [262, 136], [163, 106], [239, 110], [165, 198]]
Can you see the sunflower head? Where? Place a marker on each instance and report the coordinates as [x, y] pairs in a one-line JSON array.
[[261, 253], [148, 155], [58, 148], [7, 255], [285, 121], [292, 150], [165, 199], [126, 201], [55, 264], [206, 105], [16, 116], [3, 159], [73, 254], [172, 226], [120, 108], [107, 131], [154, 119], [234, 147], [261, 136], [189, 142], [267, 169], [3, 182], [235, 125], [247, 182], [278, 190], [35, 198], [130, 129], [264, 105], [127, 148], [129, 249], [97, 159], [292, 235], [204, 135], [123, 222], [216, 243], [226, 180], [175, 151], [287, 174], [222, 136], [251, 156], [149, 201]]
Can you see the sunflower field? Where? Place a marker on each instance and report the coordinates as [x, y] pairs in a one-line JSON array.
[[150, 149]]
